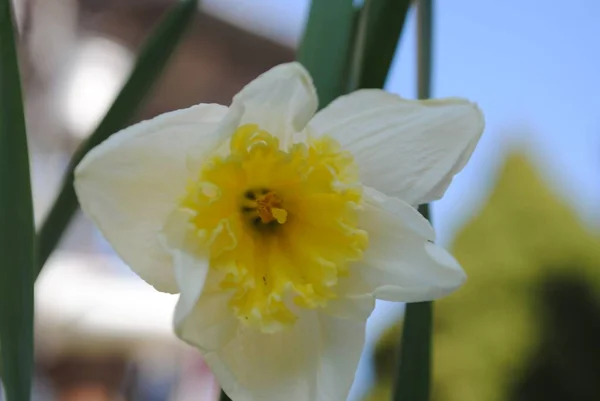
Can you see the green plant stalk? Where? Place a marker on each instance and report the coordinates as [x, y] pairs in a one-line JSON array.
[[359, 40], [424, 48], [16, 223], [224, 397], [413, 380], [326, 46], [385, 21], [150, 63], [413, 377]]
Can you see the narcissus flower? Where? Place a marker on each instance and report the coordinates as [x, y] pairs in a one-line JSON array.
[[280, 227]]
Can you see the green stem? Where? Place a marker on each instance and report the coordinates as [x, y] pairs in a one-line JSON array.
[[326, 46], [385, 22], [359, 39], [424, 210], [224, 397], [17, 253], [413, 380], [424, 48]]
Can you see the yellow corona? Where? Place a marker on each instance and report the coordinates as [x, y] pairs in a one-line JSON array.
[[281, 224]]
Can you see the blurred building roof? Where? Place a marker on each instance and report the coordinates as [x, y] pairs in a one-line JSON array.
[[281, 21], [278, 20]]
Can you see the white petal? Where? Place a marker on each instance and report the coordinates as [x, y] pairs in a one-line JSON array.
[[401, 263], [355, 300], [315, 360], [190, 260], [209, 325], [281, 101], [404, 148], [357, 307], [132, 182], [190, 274]]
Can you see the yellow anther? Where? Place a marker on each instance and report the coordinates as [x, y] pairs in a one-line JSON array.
[[269, 208], [279, 214]]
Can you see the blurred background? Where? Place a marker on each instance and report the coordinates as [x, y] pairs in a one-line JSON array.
[[523, 217]]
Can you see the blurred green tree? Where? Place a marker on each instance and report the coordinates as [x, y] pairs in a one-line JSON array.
[[526, 325]]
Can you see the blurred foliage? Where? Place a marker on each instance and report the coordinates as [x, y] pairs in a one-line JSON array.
[[526, 324], [150, 63]]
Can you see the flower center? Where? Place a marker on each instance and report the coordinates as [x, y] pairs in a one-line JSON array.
[[279, 226], [264, 207]]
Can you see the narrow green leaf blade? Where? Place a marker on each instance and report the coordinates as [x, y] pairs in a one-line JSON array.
[[413, 382], [413, 377], [16, 224], [150, 63], [326, 45], [385, 21], [224, 397]]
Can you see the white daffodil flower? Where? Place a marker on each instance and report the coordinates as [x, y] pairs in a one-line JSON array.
[[280, 227]]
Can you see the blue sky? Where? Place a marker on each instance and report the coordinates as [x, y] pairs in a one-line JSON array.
[[533, 70]]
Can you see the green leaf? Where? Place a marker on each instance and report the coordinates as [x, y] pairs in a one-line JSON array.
[[413, 382], [224, 397], [150, 64], [16, 224], [326, 45], [413, 378], [384, 23], [424, 49]]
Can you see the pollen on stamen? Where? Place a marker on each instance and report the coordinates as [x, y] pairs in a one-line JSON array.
[[264, 207]]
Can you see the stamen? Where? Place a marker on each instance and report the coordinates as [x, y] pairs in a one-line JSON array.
[[279, 214], [250, 195], [269, 208]]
